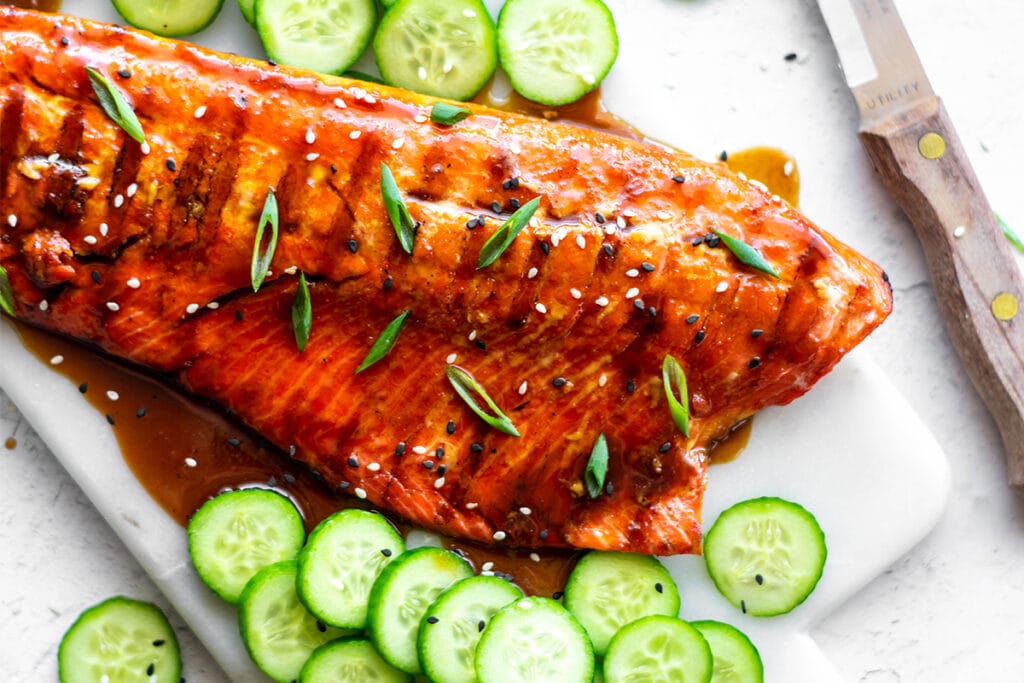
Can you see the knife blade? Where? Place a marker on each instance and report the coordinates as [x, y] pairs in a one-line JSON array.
[[910, 139]]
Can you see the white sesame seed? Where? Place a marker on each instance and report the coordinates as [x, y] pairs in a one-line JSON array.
[[576, 294], [601, 301], [629, 213], [119, 201], [190, 462], [787, 169], [104, 229], [339, 103], [191, 308], [556, 239], [534, 557], [742, 175], [472, 335], [44, 305], [373, 466], [620, 221], [132, 189], [959, 231], [113, 306], [369, 99], [53, 158], [602, 380], [632, 272], [499, 536], [472, 506], [358, 93], [541, 308], [759, 185], [57, 360], [354, 135], [134, 283], [145, 147], [581, 241], [776, 198], [452, 357], [88, 182], [609, 229], [113, 395], [200, 111], [468, 13], [312, 156], [12, 220], [664, 215], [487, 566], [526, 511], [632, 292], [422, 73], [419, 450], [290, 270], [722, 286], [89, 239], [213, 305], [310, 136], [439, 482], [523, 387], [534, 223], [360, 493], [532, 273], [397, 144], [420, 118]]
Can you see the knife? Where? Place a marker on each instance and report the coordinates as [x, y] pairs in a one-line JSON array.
[[915, 150]]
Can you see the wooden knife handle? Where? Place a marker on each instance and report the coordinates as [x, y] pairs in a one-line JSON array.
[[977, 282]]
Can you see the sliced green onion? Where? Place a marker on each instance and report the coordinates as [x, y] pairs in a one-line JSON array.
[[384, 342], [404, 226], [597, 467], [746, 254], [1010, 234], [465, 386], [498, 242], [448, 114], [261, 260], [675, 383], [302, 313], [6, 294], [115, 105]]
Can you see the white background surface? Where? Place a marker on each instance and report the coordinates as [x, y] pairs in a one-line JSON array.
[[948, 611]]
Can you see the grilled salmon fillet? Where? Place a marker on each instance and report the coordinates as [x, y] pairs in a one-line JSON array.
[[144, 250]]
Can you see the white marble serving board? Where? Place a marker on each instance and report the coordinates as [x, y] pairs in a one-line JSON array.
[[851, 451]]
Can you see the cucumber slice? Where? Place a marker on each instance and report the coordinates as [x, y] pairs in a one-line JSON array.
[[278, 632], [120, 639], [169, 17], [248, 9], [607, 590], [734, 657], [451, 627], [350, 660], [658, 649], [323, 35], [401, 596], [344, 556], [556, 51], [445, 48], [238, 533], [534, 639], [765, 555]]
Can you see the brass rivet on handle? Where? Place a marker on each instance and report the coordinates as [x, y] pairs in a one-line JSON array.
[[931, 145], [1005, 306]]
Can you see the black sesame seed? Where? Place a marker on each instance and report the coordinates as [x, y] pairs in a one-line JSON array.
[[697, 241], [507, 185], [477, 448], [353, 245], [678, 179], [652, 311], [665, 447], [638, 304], [724, 156], [386, 552], [599, 217], [692, 318], [353, 461], [480, 625], [790, 57], [699, 337], [124, 73], [334, 168], [608, 488], [64, 41], [171, 165], [543, 535], [630, 387], [321, 626], [496, 207], [289, 478], [158, 642], [428, 464], [557, 595], [481, 344], [754, 362], [743, 606], [344, 485], [271, 62], [545, 247], [647, 267], [658, 587], [712, 240], [439, 453], [110, 418], [95, 275], [514, 203], [472, 224], [559, 382], [234, 442], [151, 669], [450, 428], [441, 470], [431, 620], [759, 579], [388, 284], [400, 450], [83, 387], [239, 315], [608, 251], [756, 333]]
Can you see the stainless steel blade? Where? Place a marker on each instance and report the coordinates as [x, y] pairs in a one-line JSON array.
[[876, 54]]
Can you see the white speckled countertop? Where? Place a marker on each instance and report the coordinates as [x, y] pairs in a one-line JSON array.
[[950, 610]]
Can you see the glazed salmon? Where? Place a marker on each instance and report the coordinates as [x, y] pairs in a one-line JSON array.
[[144, 251]]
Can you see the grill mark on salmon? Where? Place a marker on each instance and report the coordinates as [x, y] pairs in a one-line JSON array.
[[185, 237]]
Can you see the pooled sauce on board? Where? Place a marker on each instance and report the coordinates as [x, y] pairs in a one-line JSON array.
[[184, 452], [44, 5]]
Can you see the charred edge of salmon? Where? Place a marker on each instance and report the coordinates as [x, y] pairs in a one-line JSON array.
[[147, 256]]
